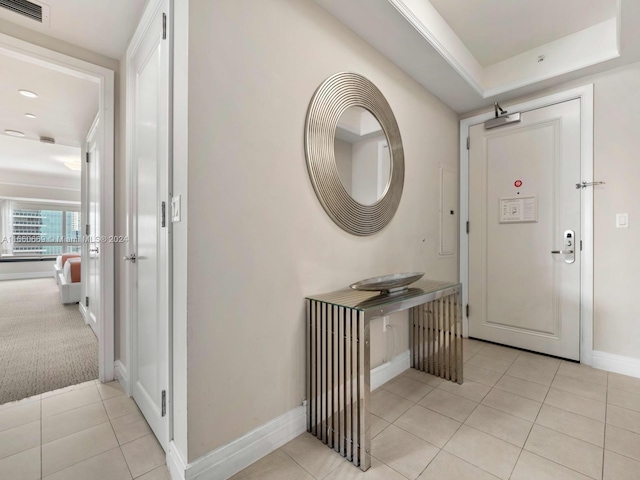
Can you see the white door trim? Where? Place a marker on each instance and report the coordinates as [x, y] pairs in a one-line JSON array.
[[151, 10], [104, 77], [585, 94]]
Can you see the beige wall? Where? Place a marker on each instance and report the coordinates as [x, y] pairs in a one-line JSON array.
[[617, 257], [39, 193], [10, 270], [616, 253], [259, 240], [56, 45]]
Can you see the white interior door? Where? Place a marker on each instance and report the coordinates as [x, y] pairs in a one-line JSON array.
[[91, 274], [150, 296], [524, 205]]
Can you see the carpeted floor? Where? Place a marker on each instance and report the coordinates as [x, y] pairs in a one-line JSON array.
[[44, 345]]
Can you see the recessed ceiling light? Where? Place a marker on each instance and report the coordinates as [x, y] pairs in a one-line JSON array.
[[75, 166], [29, 115], [14, 133], [27, 93]]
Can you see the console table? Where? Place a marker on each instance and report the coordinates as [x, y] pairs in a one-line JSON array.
[[338, 349]]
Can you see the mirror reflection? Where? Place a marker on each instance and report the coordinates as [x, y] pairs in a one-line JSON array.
[[362, 156]]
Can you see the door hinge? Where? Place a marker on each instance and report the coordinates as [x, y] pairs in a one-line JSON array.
[[580, 245], [467, 227], [164, 214], [87, 156], [86, 301], [86, 229], [164, 26], [164, 402], [467, 310], [468, 143]]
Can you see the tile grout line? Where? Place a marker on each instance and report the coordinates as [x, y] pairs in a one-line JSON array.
[[83, 460], [41, 443], [492, 388], [581, 379], [469, 426], [114, 434], [533, 424], [560, 464], [606, 408], [296, 462], [471, 413], [92, 456], [439, 448]]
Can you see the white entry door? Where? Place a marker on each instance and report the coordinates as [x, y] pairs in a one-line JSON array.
[[91, 274], [524, 235], [149, 257]]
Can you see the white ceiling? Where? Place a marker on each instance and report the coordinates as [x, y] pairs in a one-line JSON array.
[[494, 30], [66, 105], [65, 108], [26, 161], [102, 26], [417, 38]]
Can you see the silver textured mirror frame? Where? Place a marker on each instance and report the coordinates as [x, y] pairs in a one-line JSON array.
[[336, 94]]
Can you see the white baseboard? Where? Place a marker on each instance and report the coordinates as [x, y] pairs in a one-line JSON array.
[[25, 275], [617, 363], [228, 460], [84, 312], [239, 454], [385, 372], [120, 373]]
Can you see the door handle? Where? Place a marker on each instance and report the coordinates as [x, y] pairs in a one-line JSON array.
[[131, 258], [568, 241]]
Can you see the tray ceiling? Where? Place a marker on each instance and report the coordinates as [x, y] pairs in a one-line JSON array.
[[470, 53], [495, 30]]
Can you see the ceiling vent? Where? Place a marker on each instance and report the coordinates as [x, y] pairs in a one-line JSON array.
[[32, 10], [46, 139]]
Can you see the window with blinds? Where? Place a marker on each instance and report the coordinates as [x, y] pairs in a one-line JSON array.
[[42, 230]]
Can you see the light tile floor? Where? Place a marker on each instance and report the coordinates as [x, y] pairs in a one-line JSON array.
[[518, 416], [89, 431]]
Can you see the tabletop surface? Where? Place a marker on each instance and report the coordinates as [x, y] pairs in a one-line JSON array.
[[364, 301]]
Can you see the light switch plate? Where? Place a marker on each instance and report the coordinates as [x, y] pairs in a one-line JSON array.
[[175, 209], [622, 220]]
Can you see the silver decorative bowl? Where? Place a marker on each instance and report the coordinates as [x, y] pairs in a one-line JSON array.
[[387, 284]]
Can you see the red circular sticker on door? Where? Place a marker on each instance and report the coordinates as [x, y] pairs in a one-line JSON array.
[[518, 183]]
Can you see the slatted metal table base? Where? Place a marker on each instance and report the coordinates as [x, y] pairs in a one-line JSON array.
[[338, 355]]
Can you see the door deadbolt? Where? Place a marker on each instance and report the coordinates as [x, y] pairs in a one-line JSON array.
[[568, 251]]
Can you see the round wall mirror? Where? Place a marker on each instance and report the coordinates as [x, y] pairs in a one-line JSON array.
[[354, 153], [362, 155]]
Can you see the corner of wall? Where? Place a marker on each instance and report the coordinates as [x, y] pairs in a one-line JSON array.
[[180, 187]]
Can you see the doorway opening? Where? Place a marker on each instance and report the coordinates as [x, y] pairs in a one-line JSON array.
[[60, 336]]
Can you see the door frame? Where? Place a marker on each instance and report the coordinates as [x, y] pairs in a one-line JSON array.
[[104, 78], [151, 10], [585, 94]]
